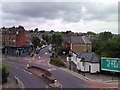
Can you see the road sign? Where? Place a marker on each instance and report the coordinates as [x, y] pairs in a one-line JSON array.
[[110, 64]]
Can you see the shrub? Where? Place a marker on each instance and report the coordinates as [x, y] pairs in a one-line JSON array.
[[63, 49], [57, 62], [5, 74]]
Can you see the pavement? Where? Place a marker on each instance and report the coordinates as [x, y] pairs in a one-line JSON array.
[[12, 82]]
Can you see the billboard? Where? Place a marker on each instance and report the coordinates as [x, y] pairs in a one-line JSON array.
[[110, 64]]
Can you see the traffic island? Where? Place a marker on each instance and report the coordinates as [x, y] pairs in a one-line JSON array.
[[44, 75]]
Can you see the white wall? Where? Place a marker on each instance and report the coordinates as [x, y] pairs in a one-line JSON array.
[[95, 67], [84, 67], [80, 66]]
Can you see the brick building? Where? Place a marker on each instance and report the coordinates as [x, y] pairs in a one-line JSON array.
[[78, 44], [15, 39], [15, 36]]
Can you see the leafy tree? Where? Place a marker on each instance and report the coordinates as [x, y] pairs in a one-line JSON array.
[[68, 31], [91, 33], [56, 40], [42, 31], [31, 31], [5, 74], [46, 38], [52, 31], [36, 30], [36, 42], [108, 48], [105, 35]]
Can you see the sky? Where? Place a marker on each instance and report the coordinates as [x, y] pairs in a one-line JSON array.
[[61, 15]]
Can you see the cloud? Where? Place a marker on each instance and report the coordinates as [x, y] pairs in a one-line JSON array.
[[61, 15]]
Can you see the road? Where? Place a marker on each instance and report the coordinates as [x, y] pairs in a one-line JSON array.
[[31, 81]]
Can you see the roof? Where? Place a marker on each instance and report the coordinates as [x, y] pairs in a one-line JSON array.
[[89, 57], [80, 40], [66, 38]]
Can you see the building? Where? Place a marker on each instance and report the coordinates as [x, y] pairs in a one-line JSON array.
[[15, 36], [77, 44], [14, 39], [86, 62], [89, 62], [80, 44]]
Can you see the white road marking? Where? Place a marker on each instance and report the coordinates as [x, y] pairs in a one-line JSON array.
[[46, 86], [26, 71], [51, 69]]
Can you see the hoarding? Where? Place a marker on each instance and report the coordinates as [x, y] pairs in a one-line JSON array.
[[110, 64]]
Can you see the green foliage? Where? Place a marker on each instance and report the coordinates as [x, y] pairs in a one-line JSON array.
[[91, 33], [56, 40], [36, 30], [63, 49], [5, 74], [36, 41], [57, 62], [3, 50], [105, 35], [46, 38], [108, 48]]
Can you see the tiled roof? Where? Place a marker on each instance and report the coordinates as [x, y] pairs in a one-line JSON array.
[[80, 39], [89, 57]]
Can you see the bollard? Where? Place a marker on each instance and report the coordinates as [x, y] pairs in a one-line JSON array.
[[27, 66], [39, 57]]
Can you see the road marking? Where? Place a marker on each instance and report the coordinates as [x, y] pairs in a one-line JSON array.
[[19, 81], [46, 86], [61, 86], [26, 71], [51, 69]]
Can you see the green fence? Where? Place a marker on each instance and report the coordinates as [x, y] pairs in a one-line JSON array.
[[110, 64]]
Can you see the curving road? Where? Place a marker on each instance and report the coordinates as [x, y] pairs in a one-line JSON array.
[[29, 80]]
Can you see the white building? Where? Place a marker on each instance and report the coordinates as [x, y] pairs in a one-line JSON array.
[[86, 62]]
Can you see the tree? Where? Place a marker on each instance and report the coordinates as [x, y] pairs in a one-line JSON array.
[[91, 33], [36, 30], [5, 74], [105, 35], [36, 42], [46, 38], [56, 40], [52, 31], [67, 32], [108, 48]]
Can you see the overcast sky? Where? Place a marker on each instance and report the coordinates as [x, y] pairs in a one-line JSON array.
[[77, 16]]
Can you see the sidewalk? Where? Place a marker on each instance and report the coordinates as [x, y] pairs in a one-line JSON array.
[[94, 82], [12, 82]]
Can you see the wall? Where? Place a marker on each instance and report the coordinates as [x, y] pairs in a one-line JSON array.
[[95, 67]]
